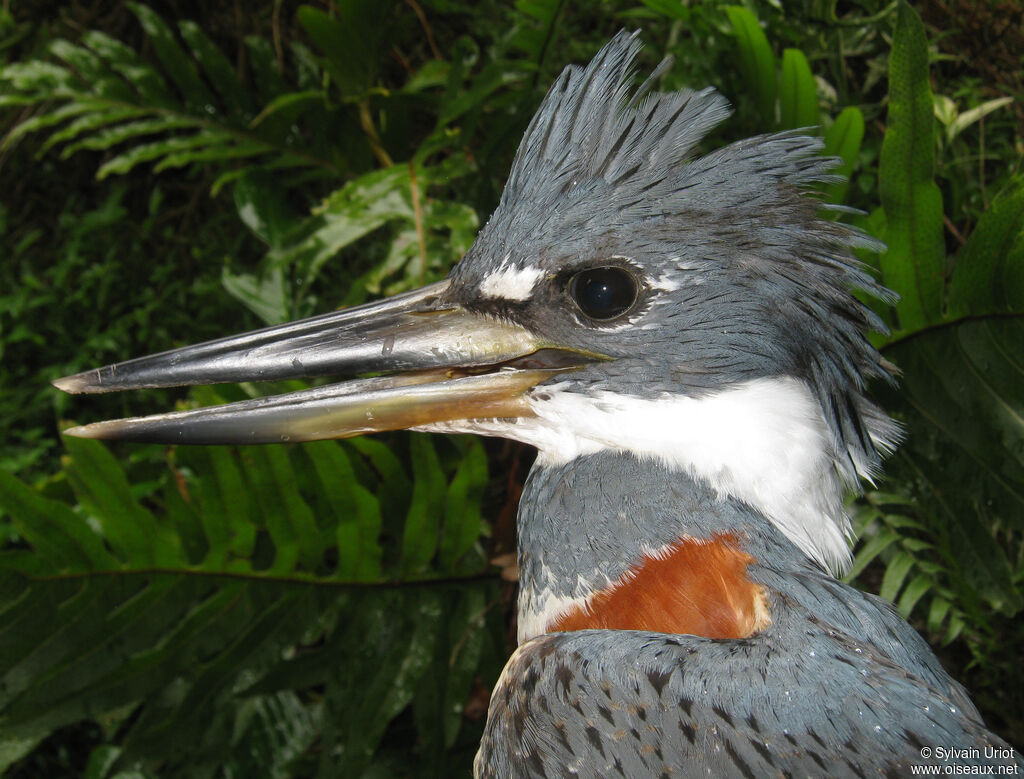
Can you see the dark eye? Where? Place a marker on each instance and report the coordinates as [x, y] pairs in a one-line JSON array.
[[603, 293]]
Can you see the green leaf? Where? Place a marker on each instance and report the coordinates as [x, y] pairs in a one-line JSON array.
[[163, 149], [388, 649], [265, 296], [263, 208], [895, 574], [217, 69], [843, 139], [393, 489], [937, 613], [226, 507], [536, 38], [101, 81], [419, 541], [913, 265], [190, 156], [287, 103], [462, 515], [174, 59], [874, 546], [673, 9], [102, 487], [101, 116], [976, 114], [41, 79], [356, 512], [272, 731], [110, 136], [798, 95], [57, 535], [143, 77], [964, 453], [989, 272], [756, 61], [913, 593], [466, 638], [43, 121], [350, 42]]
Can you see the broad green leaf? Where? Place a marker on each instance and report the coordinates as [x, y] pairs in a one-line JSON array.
[[272, 494], [756, 61], [430, 75], [843, 140], [13, 748], [956, 626], [101, 760], [913, 265], [492, 78], [281, 610], [537, 39], [989, 272], [225, 503], [182, 515], [266, 296], [798, 95], [263, 208], [272, 731], [298, 513], [287, 103]]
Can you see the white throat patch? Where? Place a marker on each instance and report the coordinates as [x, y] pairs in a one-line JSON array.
[[764, 442]]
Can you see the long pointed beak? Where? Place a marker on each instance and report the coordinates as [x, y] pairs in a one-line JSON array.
[[444, 363]]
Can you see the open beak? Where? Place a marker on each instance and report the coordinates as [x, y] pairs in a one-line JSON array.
[[440, 363]]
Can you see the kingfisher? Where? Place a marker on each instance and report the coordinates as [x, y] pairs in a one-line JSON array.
[[678, 337]]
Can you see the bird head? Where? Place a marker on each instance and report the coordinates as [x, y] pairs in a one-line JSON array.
[[627, 294]]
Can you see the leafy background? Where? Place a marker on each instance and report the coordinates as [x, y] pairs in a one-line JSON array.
[[181, 170]]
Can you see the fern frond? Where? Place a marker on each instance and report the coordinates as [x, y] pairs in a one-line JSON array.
[[100, 95], [234, 590], [916, 578]]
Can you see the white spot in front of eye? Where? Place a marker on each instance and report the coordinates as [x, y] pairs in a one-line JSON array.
[[510, 282]]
